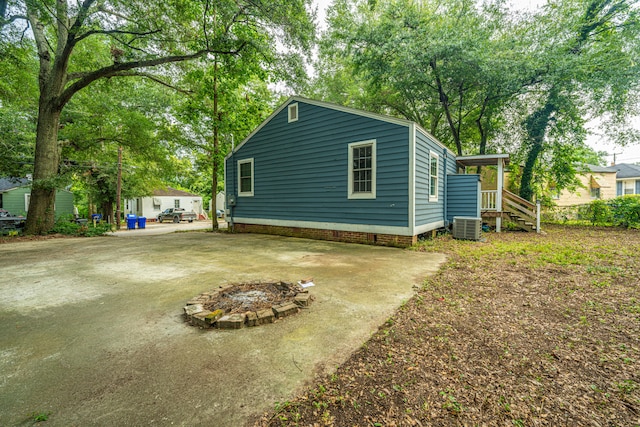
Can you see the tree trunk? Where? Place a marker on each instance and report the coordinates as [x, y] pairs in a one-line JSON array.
[[107, 211], [536, 126], [215, 167], [41, 215], [483, 133]]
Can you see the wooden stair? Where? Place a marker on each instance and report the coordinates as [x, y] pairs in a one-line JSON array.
[[519, 211]]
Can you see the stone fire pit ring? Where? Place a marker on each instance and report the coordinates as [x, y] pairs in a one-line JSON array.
[[235, 306]]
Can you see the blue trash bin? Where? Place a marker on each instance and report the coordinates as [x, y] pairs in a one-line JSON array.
[[142, 221], [131, 221]]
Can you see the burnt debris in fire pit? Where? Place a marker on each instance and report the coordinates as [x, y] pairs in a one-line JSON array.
[[247, 304]]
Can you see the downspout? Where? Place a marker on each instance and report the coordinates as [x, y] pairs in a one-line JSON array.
[[446, 189]]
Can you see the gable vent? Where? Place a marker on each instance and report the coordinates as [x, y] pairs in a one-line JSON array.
[[467, 228], [293, 112]]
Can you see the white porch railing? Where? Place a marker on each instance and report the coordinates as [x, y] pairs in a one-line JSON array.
[[488, 200]]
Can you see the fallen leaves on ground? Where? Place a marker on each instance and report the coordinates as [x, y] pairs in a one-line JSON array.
[[520, 330]]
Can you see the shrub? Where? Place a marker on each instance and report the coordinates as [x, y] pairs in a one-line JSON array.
[[597, 212], [68, 227], [626, 211]]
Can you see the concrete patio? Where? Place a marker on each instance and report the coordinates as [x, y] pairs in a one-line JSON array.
[[93, 333]]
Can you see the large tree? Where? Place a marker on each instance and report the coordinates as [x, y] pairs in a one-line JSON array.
[[133, 116], [449, 65], [139, 36], [588, 67], [229, 99]]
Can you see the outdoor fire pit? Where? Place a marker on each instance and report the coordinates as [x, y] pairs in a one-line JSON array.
[[248, 304]]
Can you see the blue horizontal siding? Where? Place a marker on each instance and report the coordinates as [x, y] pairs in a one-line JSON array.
[[428, 212], [462, 195], [301, 169]]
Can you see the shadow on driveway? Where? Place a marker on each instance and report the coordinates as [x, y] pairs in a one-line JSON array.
[[93, 333]]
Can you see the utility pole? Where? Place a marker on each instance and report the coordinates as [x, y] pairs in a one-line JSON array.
[[614, 158], [118, 188]]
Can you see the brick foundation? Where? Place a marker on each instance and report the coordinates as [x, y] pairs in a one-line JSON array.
[[333, 235]]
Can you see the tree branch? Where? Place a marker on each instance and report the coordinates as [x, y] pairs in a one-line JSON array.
[[153, 78], [6, 21], [112, 32], [113, 70]]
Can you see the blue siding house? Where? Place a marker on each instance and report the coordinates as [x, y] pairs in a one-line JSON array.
[[320, 170]]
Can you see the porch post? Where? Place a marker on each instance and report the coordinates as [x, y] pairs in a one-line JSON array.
[[500, 185]]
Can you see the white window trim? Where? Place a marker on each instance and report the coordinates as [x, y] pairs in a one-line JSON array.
[[291, 107], [432, 155], [246, 193], [628, 185], [27, 199], [361, 195]]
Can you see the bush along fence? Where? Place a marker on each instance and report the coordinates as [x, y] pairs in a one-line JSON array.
[[623, 211]]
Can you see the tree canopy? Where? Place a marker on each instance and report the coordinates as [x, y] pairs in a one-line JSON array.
[[79, 43], [175, 83], [484, 78]]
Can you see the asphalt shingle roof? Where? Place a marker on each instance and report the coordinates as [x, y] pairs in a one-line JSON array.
[[173, 192], [9, 183], [626, 170]]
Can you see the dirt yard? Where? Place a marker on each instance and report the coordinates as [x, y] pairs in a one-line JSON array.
[[520, 330]]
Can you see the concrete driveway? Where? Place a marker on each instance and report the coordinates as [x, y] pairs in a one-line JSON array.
[[93, 334]]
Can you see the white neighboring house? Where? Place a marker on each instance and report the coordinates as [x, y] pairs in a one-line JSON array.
[[150, 206], [221, 202]]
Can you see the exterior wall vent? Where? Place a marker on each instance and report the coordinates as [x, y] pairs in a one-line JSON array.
[[467, 228], [293, 113]]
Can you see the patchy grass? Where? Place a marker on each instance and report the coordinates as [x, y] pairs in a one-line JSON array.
[[521, 330]]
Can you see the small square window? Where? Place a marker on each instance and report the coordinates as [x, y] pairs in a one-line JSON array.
[[293, 112], [595, 193]]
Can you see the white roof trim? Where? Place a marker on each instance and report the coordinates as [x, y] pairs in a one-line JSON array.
[[482, 159]]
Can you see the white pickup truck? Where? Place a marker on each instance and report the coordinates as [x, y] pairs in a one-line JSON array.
[[176, 215]]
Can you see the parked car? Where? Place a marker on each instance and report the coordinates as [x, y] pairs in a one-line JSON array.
[[176, 215]]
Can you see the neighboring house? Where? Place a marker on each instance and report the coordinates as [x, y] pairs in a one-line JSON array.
[[221, 202], [628, 179], [150, 206], [320, 170], [15, 194], [597, 182]]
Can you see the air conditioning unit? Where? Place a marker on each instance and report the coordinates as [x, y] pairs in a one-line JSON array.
[[467, 228]]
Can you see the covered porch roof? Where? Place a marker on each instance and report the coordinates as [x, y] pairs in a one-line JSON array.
[[482, 160]]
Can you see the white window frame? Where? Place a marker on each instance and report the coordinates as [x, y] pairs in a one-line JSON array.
[[246, 193], [362, 195], [628, 185], [434, 197], [293, 117]]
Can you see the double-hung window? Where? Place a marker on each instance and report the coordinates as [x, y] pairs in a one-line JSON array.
[[362, 170], [433, 176], [245, 177]]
